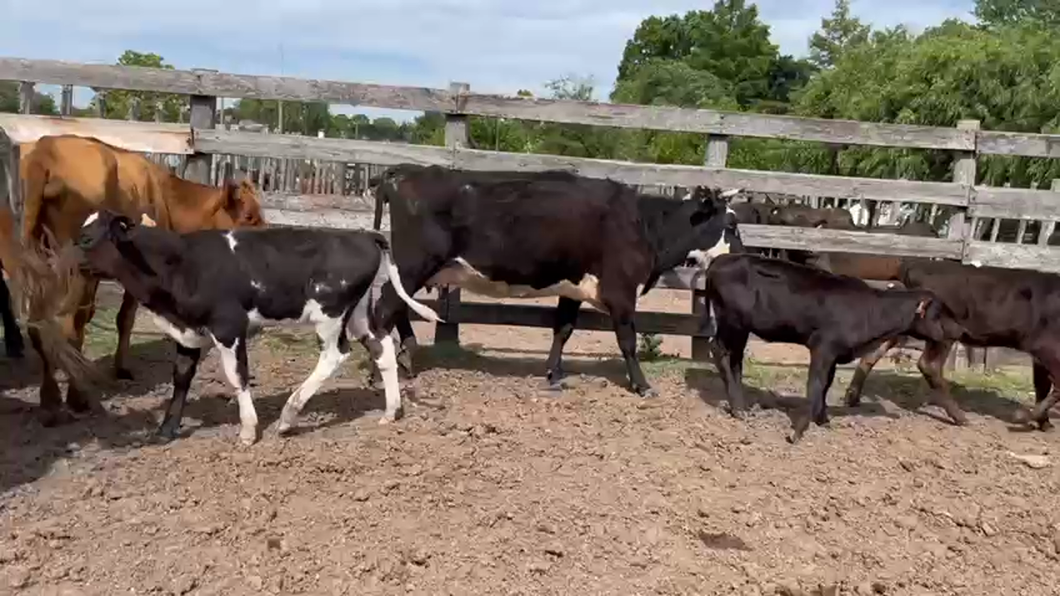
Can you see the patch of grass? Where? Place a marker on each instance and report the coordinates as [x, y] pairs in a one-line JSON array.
[[649, 347]]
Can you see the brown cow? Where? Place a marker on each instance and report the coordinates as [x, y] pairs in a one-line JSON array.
[[66, 178]]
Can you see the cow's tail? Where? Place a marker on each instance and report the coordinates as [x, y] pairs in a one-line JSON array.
[[39, 281], [386, 263]]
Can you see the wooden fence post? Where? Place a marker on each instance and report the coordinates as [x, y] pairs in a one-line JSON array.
[[456, 135], [66, 103], [25, 97], [11, 185], [1048, 226], [963, 173], [717, 154], [203, 116], [101, 103]]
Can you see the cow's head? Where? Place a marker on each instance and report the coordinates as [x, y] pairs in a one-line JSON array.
[[107, 247], [237, 206], [932, 319], [713, 226], [701, 228]]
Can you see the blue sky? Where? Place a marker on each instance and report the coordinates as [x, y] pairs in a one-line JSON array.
[[495, 45]]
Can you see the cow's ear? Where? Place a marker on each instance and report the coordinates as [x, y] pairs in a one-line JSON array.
[[922, 307]]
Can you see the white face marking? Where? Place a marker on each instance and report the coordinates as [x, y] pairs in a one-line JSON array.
[[91, 218], [460, 273], [257, 285], [230, 237], [248, 418]]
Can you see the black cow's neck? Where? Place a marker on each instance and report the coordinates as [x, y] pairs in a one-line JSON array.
[[151, 258], [655, 213]]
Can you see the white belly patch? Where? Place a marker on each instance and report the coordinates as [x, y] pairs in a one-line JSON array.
[[459, 272], [185, 337]]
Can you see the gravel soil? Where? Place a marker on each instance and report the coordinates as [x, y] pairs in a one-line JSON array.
[[491, 485]]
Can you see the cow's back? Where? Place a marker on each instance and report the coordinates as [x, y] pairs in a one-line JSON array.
[[998, 306]]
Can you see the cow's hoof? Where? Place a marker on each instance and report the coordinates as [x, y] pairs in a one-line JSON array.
[[79, 404], [852, 401], [51, 418], [123, 374], [738, 413], [794, 438], [163, 435], [387, 419], [1021, 416], [1045, 425], [248, 435], [648, 393]]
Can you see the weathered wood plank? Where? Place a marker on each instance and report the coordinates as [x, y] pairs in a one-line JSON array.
[[823, 240], [147, 137], [219, 84], [945, 193], [1015, 203], [528, 315], [996, 142], [299, 147], [716, 122], [1014, 256]]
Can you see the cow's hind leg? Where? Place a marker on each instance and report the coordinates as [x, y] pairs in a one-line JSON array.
[[233, 348], [821, 375], [727, 349], [76, 399], [334, 350], [865, 365], [380, 346], [1046, 367], [562, 328], [930, 365], [124, 322], [626, 333], [13, 344], [184, 367], [1043, 383]]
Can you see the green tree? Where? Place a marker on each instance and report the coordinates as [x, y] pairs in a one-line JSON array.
[[729, 41], [1011, 12], [837, 34], [42, 103], [1007, 78], [119, 101]]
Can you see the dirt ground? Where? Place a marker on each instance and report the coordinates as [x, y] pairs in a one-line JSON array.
[[490, 485]]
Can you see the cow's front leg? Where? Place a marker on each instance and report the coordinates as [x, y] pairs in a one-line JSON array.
[[727, 349], [1043, 384], [865, 365], [626, 333], [562, 328], [930, 365], [13, 344], [184, 366], [233, 348], [822, 373], [125, 321]]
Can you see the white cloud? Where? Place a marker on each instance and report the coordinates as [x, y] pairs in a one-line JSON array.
[[495, 45]]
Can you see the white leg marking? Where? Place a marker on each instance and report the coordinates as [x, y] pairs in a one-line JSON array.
[[387, 363], [248, 418], [328, 330], [230, 237]]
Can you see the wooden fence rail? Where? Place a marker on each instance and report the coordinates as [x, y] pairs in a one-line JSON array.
[[199, 141]]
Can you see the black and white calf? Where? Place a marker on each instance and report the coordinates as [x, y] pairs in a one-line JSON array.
[[553, 233], [216, 288]]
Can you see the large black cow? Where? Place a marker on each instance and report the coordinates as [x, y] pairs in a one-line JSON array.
[[216, 288], [527, 234], [838, 318], [995, 307]]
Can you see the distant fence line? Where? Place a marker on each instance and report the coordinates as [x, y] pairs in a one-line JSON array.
[[286, 159]]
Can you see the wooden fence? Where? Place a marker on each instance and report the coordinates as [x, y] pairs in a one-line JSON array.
[[200, 140]]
